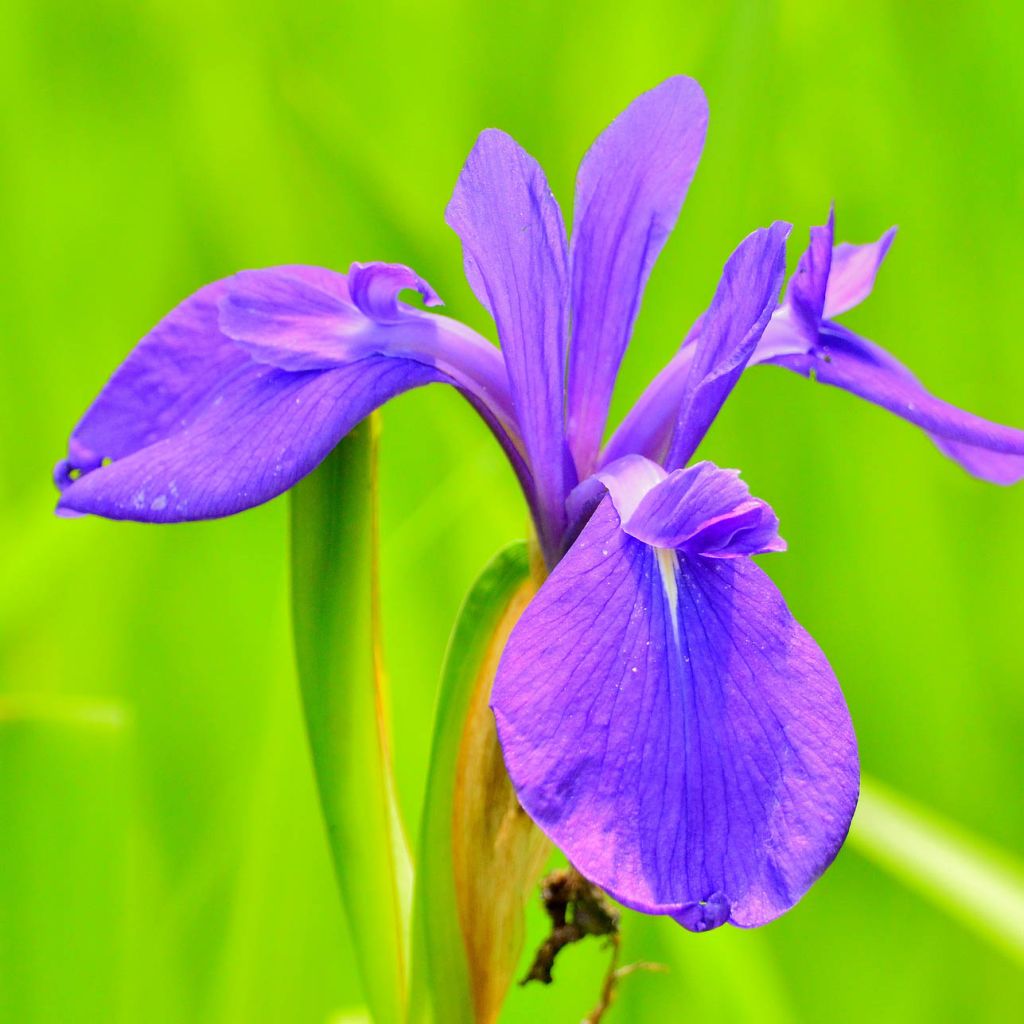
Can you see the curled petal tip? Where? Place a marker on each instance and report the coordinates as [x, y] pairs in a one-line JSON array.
[[80, 460], [375, 288], [62, 474], [705, 915]]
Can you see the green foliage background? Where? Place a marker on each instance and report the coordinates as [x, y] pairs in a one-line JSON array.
[[161, 854]]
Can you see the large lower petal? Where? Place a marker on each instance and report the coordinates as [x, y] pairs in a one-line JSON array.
[[629, 190], [672, 728], [263, 430], [513, 239], [987, 450], [731, 328]]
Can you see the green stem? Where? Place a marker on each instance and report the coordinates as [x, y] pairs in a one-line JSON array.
[[335, 606]]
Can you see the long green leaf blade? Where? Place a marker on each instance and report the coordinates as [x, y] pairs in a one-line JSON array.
[[981, 886], [335, 609]]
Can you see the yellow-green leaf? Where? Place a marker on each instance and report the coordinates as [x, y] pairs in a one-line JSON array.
[[479, 853]]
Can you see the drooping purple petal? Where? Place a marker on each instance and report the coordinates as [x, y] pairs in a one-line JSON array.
[[672, 728], [192, 427], [629, 190], [515, 257], [853, 273], [746, 296], [262, 430], [987, 450], [165, 377]]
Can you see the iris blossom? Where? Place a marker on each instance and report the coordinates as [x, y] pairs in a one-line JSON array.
[[663, 717]]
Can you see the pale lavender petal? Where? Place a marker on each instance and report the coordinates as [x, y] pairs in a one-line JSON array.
[[628, 480], [279, 317], [515, 258], [704, 510], [987, 450], [672, 728], [746, 296], [262, 430], [853, 273], [629, 190]]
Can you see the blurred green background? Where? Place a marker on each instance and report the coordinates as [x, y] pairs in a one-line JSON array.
[[161, 854]]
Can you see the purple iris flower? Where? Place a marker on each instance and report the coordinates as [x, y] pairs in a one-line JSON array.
[[663, 717]]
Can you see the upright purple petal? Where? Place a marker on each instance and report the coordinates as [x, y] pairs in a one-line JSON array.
[[853, 273], [732, 326], [672, 728], [515, 256], [817, 347], [629, 190], [647, 428], [987, 450], [805, 294]]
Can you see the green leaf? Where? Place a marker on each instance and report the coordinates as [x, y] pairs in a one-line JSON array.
[[335, 606], [479, 854], [981, 886]]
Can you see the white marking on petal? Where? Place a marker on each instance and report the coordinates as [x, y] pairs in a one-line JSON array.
[[668, 563]]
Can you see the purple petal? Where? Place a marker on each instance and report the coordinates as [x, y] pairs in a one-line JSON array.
[[263, 430], [281, 318], [647, 427], [822, 285], [746, 296], [166, 376], [987, 450], [629, 190], [805, 294], [515, 259], [672, 728], [192, 427], [305, 318], [375, 288], [704, 510], [853, 273], [627, 480]]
